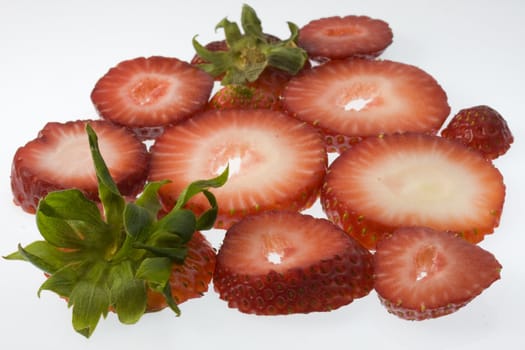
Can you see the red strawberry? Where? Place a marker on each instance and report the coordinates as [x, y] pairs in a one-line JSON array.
[[352, 99], [276, 162], [392, 181], [245, 97], [190, 279], [281, 262], [342, 37], [421, 273], [146, 94], [481, 128], [59, 158]]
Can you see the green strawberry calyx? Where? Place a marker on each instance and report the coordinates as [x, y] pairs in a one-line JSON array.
[[249, 53], [101, 261]]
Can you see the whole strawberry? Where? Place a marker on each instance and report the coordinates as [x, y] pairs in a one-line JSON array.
[[481, 128]]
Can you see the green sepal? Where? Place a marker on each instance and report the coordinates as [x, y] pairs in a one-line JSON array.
[[128, 293], [169, 299], [251, 24], [155, 271], [199, 186], [181, 222], [112, 201], [207, 219], [137, 220], [62, 281], [177, 254], [232, 32], [63, 217], [44, 256], [149, 199], [90, 298]]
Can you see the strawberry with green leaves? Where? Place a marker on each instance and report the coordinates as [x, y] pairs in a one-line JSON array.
[[255, 59], [113, 260]]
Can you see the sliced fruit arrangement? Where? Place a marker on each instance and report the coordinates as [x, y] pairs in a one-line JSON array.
[[421, 273], [119, 259], [147, 94], [353, 99], [388, 182], [59, 158], [276, 162], [343, 37], [282, 262], [481, 128]]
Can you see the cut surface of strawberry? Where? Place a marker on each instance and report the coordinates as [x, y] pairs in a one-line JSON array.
[[275, 161], [146, 94], [191, 278], [352, 99], [342, 37], [412, 180], [282, 262], [59, 158], [481, 128], [421, 273]]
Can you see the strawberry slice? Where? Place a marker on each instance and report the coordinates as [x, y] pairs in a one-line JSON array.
[[59, 158], [282, 262], [342, 37], [275, 161], [146, 94], [352, 99], [384, 183], [191, 278], [421, 273]]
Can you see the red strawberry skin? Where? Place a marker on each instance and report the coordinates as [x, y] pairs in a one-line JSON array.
[[421, 273], [276, 162], [344, 37], [244, 97], [320, 268], [348, 100], [147, 94], [190, 279], [59, 158], [412, 180], [481, 128]]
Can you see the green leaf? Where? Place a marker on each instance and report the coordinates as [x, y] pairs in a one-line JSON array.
[[128, 294], [149, 198], [198, 186], [62, 281], [111, 199], [250, 23], [44, 256], [68, 219], [155, 270], [288, 59], [207, 219], [90, 298], [232, 32], [169, 299], [181, 222], [137, 220], [173, 253], [90, 301]]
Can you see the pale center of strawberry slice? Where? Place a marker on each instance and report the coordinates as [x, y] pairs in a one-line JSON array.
[[357, 97], [344, 31], [148, 91], [426, 262], [239, 156]]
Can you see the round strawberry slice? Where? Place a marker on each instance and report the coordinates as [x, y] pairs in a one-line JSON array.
[[275, 161], [412, 180], [353, 99], [59, 158], [341, 37], [282, 262], [421, 273], [147, 94]]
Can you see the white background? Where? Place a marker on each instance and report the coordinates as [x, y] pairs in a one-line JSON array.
[[53, 52]]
